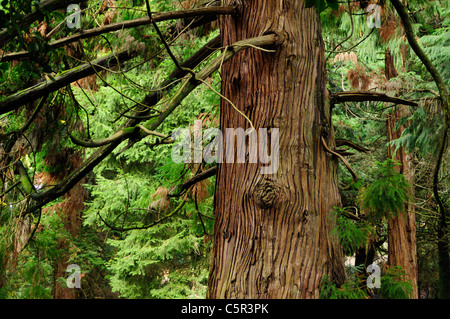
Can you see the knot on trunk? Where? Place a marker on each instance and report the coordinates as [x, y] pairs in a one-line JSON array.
[[266, 193]]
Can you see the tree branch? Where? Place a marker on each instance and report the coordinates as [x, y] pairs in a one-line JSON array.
[[157, 17], [188, 86], [46, 5], [341, 142], [357, 96], [194, 180], [355, 177], [118, 136], [30, 94]]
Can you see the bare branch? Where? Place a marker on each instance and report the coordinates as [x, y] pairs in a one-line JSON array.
[[357, 96], [341, 142], [118, 136], [194, 180], [355, 177]]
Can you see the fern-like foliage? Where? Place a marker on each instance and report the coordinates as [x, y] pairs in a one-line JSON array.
[[387, 195], [421, 132], [352, 234], [395, 284], [350, 289]]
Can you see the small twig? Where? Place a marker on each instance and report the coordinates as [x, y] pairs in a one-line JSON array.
[[197, 178]]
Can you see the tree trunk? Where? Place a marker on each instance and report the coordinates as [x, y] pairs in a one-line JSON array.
[[70, 211], [402, 229], [272, 231], [402, 249]]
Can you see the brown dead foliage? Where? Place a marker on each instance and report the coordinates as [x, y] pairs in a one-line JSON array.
[[389, 27], [200, 190], [160, 199], [358, 78]]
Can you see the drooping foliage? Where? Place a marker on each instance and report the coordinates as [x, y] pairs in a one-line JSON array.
[[387, 195]]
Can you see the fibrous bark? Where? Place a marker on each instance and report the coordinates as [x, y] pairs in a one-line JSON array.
[[272, 232]]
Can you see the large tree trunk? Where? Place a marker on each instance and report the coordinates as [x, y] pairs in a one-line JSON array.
[[272, 232]]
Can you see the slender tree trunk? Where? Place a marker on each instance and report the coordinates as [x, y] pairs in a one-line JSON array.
[[402, 249], [272, 232], [70, 211]]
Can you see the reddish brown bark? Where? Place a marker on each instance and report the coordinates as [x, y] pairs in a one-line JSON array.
[[402, 249], [402, 229], [389, 66], [272, 232], [70, 211]]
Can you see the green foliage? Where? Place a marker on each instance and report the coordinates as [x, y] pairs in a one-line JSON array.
[[421, 133], [145, 257], [129, 188], [387, 195], [395, 284], [322, 4], [351, 233], [350, 289]]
